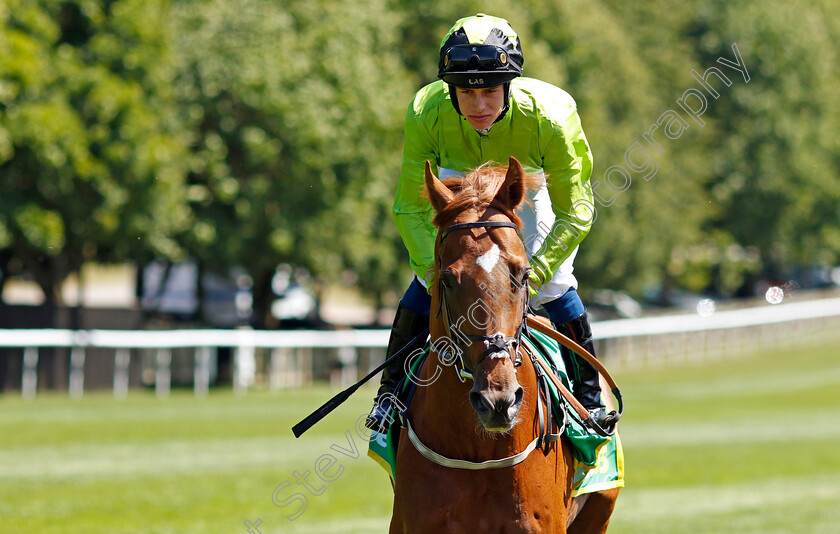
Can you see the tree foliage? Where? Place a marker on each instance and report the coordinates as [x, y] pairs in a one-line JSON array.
[[296, 117], [90, 142], [253, 133]]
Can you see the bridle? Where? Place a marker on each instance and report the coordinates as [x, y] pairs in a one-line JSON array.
[[495, 343]]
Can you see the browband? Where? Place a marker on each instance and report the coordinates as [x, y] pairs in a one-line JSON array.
[[478, 224]]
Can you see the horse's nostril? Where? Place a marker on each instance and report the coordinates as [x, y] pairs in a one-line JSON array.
[[479, 403], [517, 396]]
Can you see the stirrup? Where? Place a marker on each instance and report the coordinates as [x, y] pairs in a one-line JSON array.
[[381, 416], [377, 420]]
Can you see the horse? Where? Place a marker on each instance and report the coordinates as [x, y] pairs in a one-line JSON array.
[[465, 467]]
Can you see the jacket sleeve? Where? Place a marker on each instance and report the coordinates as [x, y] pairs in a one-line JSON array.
[[567, 160], [412, 212]]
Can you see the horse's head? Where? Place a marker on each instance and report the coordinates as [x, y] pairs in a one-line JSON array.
[[480, 290]]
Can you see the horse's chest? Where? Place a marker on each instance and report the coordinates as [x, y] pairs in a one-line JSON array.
[[484, 518], [448, 504]]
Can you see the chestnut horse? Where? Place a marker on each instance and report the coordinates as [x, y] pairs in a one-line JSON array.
[[487, 410]]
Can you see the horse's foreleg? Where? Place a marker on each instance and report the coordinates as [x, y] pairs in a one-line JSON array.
[[593, 512], [590, 513]]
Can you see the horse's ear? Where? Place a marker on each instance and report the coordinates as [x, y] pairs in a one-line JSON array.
[[512, 191], [439, 194]]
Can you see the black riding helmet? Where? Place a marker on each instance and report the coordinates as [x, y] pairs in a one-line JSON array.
[[480, 51]]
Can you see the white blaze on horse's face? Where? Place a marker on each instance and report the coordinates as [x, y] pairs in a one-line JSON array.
[[489, 259]]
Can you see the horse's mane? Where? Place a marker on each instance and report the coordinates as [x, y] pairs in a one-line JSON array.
[[477, 190]]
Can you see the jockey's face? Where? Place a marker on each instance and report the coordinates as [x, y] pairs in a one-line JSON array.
[[481, 107]]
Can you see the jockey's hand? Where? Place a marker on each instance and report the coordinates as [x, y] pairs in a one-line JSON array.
[[533, 285], [429, 278]]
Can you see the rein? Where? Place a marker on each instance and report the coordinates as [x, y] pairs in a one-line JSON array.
[[540, 324]]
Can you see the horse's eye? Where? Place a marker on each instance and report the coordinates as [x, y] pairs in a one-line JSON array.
[[447, 279]]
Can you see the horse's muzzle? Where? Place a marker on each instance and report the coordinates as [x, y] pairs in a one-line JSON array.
[[496, 408]]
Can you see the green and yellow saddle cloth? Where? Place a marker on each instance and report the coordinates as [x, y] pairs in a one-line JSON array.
[[599, 461]]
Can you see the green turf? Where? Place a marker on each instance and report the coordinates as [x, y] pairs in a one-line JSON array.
[[750, 446]]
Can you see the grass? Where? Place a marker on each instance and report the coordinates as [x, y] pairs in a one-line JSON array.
[[749, 446]]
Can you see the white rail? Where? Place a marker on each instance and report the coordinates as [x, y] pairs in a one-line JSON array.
[[348, 341], [174, 339], [723, 320]]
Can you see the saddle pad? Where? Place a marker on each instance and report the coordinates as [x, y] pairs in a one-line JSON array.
[[598, 461]]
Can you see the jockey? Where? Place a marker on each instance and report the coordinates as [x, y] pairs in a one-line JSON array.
[[482, 110]]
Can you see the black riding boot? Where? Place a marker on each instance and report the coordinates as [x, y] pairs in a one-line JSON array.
[[407, 326], [587, 388]]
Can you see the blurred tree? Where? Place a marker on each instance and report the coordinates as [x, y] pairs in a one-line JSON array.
[[297, 120], [90, 146], [593, 53], [285, 121], [777, 153]]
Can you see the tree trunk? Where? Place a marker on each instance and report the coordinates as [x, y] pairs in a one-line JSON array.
[[318, 295], [51, 288], [377, 308], [49, 273], [263, 298], [5, 259]]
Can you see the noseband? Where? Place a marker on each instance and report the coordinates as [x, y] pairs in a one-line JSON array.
[[495, 343]]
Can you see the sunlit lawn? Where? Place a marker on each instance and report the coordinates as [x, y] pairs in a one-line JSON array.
[[749, 446]]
